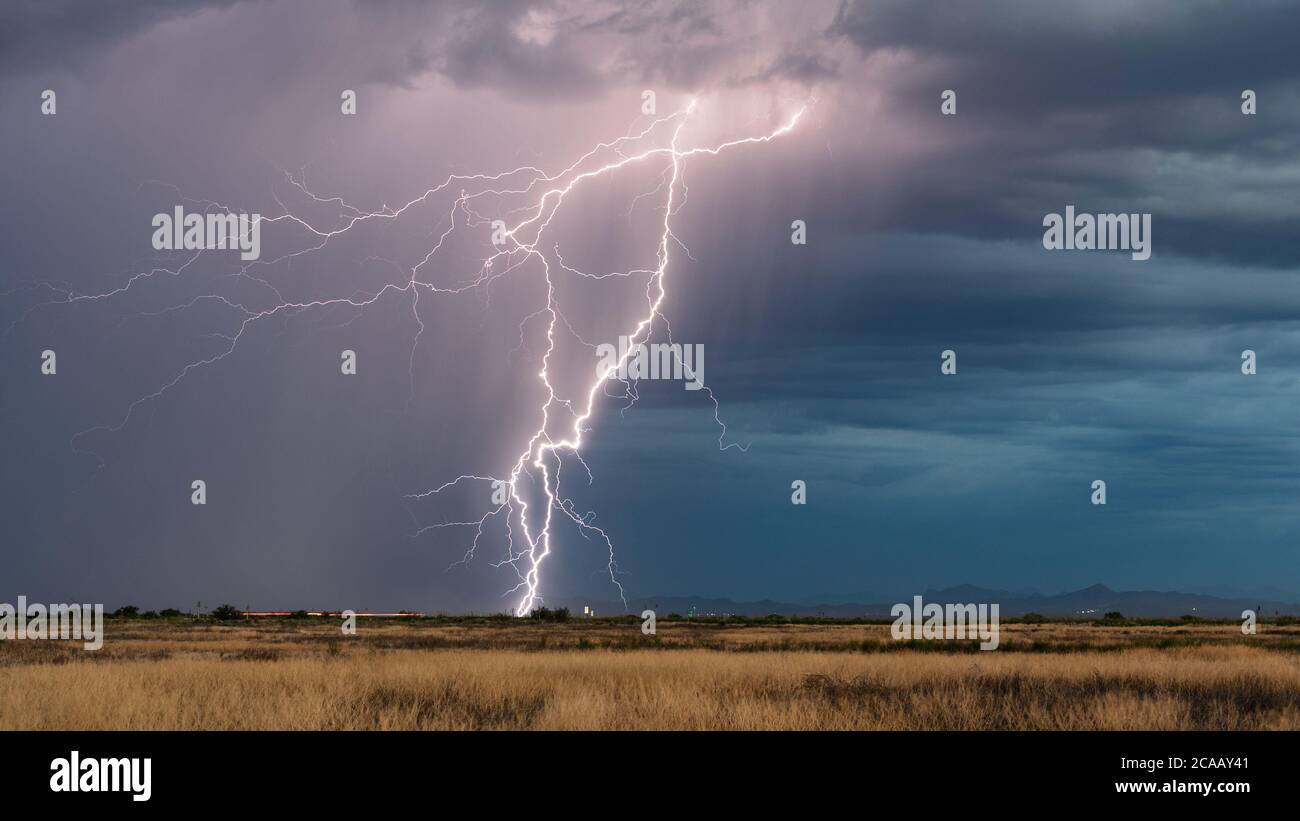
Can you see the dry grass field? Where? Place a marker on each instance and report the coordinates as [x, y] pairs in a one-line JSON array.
[[523, 675]]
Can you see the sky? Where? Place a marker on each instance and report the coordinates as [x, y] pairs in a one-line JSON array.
[[924, 234]]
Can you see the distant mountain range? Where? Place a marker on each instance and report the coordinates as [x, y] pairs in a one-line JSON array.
[[1097, 600]]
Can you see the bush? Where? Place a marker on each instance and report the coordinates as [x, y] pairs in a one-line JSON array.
[[1032, 618], [149, 614], [1113, 618], [126, 611], [298, 614], [171, 613], [547, 614], [226, 612]]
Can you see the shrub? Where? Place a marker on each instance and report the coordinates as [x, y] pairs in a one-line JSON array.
[[126, 611], [1113, 618], [547, 614], [226, 612]]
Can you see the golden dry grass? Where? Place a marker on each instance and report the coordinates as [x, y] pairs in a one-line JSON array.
[[527, 676]]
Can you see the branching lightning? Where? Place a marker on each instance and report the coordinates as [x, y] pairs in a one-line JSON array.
[[532, 484]]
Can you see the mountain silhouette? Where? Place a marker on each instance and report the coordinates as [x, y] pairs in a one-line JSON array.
[[1095, 600]]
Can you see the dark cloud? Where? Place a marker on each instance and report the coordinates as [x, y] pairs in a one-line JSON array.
[[1032, 56], [1108, 103], [485, 50], [38, 35]]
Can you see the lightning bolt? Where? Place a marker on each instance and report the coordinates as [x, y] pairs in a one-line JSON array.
[[536, 472], [543, 452]]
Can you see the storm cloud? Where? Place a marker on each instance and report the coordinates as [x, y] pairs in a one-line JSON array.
[[924, 235]]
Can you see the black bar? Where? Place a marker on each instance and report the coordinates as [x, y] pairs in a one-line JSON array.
[[564, 771]]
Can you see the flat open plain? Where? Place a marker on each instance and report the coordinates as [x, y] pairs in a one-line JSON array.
[[521, 674]]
